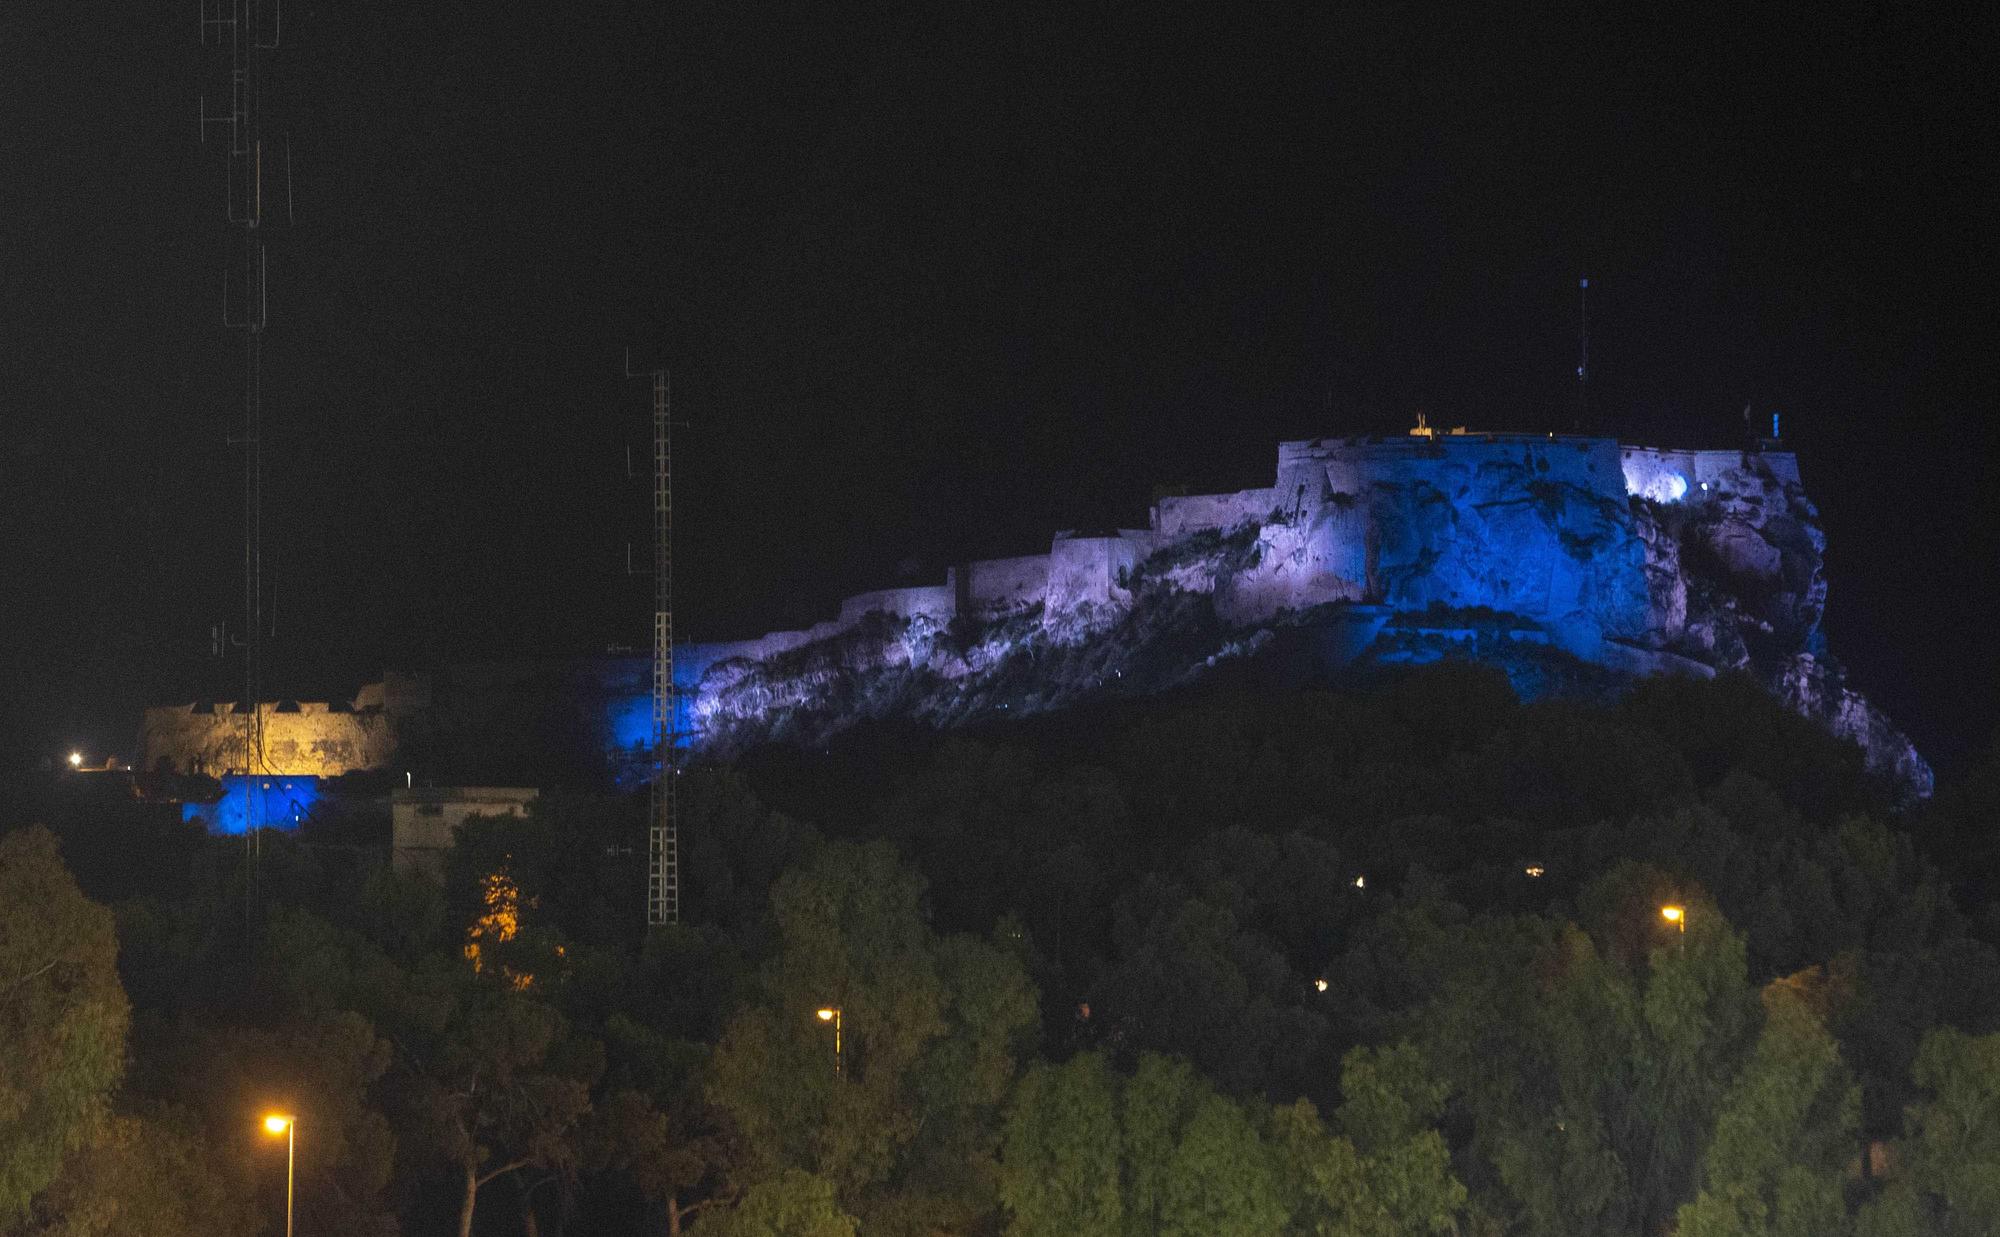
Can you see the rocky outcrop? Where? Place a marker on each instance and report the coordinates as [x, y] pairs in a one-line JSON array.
[[1525, 550]]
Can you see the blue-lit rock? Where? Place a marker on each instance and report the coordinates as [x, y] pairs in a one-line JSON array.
[[1523, 549], [1544, 554]]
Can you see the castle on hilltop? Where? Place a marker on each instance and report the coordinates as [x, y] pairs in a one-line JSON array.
[[1506, 521], [1552, 556]]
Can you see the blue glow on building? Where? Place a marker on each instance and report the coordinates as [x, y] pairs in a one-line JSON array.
[[280, 802], [631, 720]]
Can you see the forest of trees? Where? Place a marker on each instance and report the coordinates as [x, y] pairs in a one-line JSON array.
[[1349, 964]]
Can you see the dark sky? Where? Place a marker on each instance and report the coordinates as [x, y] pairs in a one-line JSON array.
[[934, 283]]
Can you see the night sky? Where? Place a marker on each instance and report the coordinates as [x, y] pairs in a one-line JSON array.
[[935, 283]]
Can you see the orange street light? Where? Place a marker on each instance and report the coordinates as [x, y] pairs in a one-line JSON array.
[[831, 1013], [1676, 915], [284, 1123]]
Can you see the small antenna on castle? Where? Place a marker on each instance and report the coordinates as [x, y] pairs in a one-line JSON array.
[[1582, 352]]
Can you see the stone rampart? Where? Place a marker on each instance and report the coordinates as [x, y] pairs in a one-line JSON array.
[[1670, 475], [1179, 516], [997, 586], [1544, 528], [311, 738]]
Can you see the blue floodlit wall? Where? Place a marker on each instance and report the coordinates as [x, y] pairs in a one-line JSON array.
[[280, 803], [631, 720]]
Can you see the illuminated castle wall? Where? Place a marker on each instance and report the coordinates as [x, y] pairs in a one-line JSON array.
[[1507, 548], [299, 737], [1633, 559], [1534, 525]]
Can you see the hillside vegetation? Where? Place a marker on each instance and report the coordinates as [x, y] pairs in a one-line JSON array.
[[1230, 962]]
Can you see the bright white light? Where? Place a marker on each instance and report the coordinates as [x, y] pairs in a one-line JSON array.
[[1361, 882], [1319, 985], [76, 760]]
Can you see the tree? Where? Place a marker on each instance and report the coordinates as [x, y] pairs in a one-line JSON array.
[[653, 1125], [1774, 1165], [903, 1121], [1388, 1172], [486, 1077], [63, 1016], [1161, 1152], [1191, 980], [491, 1091], [1060, 1155], [1591, 1064], [792, 1204], [154, 1174], [322, 1066], [1945, 1176]]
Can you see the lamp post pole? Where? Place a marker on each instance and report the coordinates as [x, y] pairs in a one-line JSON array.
[[832, 1014], [290, 1125]]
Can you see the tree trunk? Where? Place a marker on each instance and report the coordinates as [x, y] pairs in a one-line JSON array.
[[465, 1205]]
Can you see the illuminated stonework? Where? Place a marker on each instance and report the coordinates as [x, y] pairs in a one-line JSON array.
[[1630, 559], [1553, 557]]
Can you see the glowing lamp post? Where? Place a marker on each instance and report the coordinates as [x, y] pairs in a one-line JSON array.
[[831, 1013], [76, 760], [1675, 915], [288, 1125]]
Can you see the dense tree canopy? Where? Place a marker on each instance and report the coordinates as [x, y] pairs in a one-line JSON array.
[[1341, 964], [62, 1017]]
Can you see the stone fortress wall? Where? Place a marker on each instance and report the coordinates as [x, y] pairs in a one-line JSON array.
[[300, 737], [1536, 526], [1351, 519]]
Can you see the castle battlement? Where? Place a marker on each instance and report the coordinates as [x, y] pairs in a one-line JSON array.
[[1391, 548], [1079, 583]]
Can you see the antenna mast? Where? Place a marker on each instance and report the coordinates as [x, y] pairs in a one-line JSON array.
[[249, 28], [1582, 351], [663, 873]]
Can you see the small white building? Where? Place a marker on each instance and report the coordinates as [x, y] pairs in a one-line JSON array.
[[424, 820]]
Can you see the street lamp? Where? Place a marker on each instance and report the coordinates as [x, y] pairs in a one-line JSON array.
[[76, 760], [1676, 915], [284, 1123], [831, 1013]]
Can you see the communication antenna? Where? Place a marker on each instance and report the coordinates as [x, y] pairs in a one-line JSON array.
[[663, 864], [249, 28], [1582, 352]]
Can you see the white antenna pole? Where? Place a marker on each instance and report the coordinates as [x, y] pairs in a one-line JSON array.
[[1582, 351]]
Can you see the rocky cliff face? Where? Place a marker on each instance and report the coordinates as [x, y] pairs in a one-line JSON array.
[[1540, 555]]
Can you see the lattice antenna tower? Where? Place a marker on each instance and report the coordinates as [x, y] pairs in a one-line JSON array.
[[250, 29], [663, 864]]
